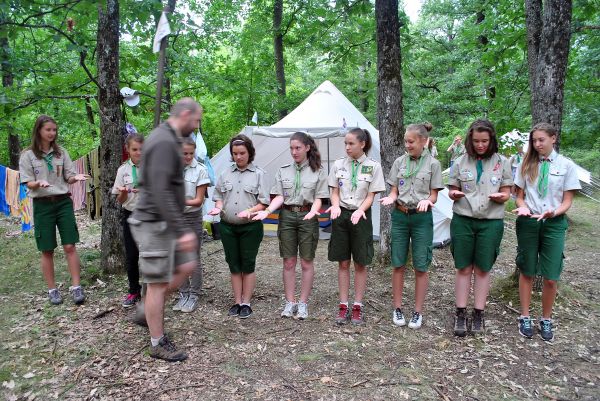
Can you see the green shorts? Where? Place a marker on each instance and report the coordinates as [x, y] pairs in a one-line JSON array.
[[47, 216], [351, 240], [415, 230], [158, 254], [241, 243], [540, 246], [475, 241], [297, 235]]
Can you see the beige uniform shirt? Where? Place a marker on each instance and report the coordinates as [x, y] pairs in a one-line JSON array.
[[313, 184], [33, 169], [413, 189], [195, 175], [562, 177], [475, 203], [125, 179], [369, 179], [240, 190]]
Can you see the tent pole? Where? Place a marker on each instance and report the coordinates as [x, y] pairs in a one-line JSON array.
[[328, 161]]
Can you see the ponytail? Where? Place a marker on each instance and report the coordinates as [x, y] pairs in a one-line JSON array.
[[362, 135]]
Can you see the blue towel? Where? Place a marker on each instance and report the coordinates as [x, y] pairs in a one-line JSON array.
[[4, 208]]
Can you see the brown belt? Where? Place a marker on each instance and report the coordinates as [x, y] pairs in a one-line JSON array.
[[52, 198], [296, 208], [407, 210]]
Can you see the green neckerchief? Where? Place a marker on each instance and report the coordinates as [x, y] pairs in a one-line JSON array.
[[134, 175], [354, 178], [543, 179], [479, 166], [458, 150], [518, 158], [297, 179], [410, 172], [48, 158]]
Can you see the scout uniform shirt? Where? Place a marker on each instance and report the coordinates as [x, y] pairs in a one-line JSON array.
[[240, 190], [415, 178], [311, 184], [127, 176], [562, 176], [194, 176], [457, 151], [51, 168], [463, 174], [368, 178]]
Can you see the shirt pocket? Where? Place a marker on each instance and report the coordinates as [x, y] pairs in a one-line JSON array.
[[308, 190], [226, 187], [39, 170], [363, 182], [127, 179], [556, 179], [422, 183], [251, 189], [288, 187], [467, 182]]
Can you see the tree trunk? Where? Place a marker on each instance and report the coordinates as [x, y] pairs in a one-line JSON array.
[[14, 147], [389, 102], [279, 62], [111, 142], [548, 38]]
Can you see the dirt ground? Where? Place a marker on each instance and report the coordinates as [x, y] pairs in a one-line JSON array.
[[66, 353]]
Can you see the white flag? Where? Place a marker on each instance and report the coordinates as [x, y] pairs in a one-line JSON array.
[[162, 30], [255, 118]]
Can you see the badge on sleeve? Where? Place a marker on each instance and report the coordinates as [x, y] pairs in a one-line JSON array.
[[401, 182]]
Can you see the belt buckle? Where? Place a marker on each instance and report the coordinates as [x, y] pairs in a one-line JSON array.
[[296, 208]]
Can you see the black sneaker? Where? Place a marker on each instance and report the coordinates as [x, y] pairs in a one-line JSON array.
[[167, 351], [234, 310], [478, 322], [460, 323], [546, 330], [525, 327], [245, 311]]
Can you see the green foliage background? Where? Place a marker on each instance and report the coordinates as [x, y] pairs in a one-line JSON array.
[[221, 53]]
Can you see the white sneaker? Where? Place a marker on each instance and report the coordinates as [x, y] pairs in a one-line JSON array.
[[398, 317], [290, 309], [190, 304], [183, 297], [415, 321], [302, 311]]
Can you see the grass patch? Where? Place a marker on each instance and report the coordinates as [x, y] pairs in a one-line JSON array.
[[309, 357]]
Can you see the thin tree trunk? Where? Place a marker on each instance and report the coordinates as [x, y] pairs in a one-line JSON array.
[[279, 61], [389, 102], [109, 101], [548, 39], [14, 147]]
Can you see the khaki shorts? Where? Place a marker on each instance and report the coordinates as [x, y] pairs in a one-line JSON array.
[[297, 235], [158, 254]]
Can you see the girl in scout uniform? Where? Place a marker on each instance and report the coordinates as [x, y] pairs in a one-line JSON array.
[[126, 189], [354, 182], [415, 179], [479, 184], [196, 181], [47, 170], [546, 184], [299, 187], [241, 191]]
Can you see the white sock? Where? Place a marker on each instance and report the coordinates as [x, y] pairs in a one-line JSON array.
[[155, 341], [524, 317], [245, 303], [358, 303], [344, 303]]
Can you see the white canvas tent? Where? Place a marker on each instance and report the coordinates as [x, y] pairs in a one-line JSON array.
[[326, 115]]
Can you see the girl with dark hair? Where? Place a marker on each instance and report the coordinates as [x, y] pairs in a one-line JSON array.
[[126, 190], [546, 183], [479, 184], [47, 170], [241, 191], [299, 188], [354, 181], [415, 179], [196, 182]]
